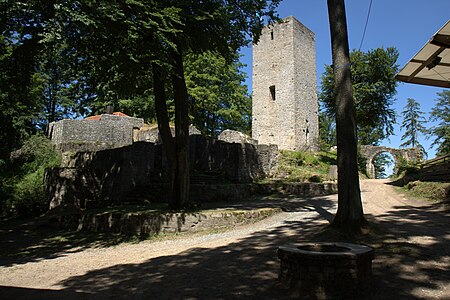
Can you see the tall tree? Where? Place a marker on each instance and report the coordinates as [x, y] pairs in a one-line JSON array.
[[350, 214], [441, 132], [220, 26], [20, 25], [413, 121], [374, 87], [218, 98], [122, 50], [114, 38]]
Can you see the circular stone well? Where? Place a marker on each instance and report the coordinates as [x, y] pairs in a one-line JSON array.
[[327, 270]]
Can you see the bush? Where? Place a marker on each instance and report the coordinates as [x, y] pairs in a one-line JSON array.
[[29, 196], [22, 180], [406, 168], [315, 178]]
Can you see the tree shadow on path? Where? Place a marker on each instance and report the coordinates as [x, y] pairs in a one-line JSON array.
[[404, 268], [31, 240]]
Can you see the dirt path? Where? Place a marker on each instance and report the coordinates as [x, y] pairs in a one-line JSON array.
[[412, 257]]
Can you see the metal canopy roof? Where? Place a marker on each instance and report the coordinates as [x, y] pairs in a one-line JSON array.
[[431, 65]]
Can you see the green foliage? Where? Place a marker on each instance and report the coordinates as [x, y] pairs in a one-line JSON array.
[[29, 195], [219, 100], [315, 178], [406, 167], [441, 132], [74, 57], [374, 87], [413, 121], [362, 161], [305, 166], [327, 131], [22, 181], [380, 162], [139, 106]]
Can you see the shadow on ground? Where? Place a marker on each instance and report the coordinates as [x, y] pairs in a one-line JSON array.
[[29, 240], [248, 268]]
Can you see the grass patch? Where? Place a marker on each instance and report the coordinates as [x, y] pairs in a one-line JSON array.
[[434, 191], [303, 166]]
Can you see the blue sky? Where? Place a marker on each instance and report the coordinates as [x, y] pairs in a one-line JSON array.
[[404, 24]]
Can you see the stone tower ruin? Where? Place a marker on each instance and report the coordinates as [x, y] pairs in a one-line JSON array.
[[284, 87]]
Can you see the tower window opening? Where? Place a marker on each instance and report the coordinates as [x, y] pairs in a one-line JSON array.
[[271, 35], [272, 92]]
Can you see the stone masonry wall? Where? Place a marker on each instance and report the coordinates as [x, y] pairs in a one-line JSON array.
[[138, 171], [284, 87], [109, 132], [307, 121]]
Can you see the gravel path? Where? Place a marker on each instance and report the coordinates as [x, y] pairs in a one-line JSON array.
[[49, 273], [412, 259]]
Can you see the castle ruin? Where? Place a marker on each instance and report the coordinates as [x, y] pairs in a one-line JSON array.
[[284, 87]]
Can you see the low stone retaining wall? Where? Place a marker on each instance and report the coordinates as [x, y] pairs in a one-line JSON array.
[[152, 223], [232, 192], [303, 189]]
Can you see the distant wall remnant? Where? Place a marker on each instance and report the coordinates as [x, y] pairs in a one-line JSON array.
[[285, 106], [370, 152], [107, 132], [233, 136]]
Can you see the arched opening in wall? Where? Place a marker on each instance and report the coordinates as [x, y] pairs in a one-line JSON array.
[[384, 165]]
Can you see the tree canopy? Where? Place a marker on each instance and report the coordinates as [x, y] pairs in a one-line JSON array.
[[374, 87], [441, 132], [74, 57], [219, 100]]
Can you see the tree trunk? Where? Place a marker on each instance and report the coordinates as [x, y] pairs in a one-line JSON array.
[[164, 127], [181, 183], [350, 214]]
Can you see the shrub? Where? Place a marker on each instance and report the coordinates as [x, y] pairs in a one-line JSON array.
[[29, 196], [405, 168], [22, 180], [315, 178]]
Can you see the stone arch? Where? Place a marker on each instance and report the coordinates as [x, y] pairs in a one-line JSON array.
[[369, 152]]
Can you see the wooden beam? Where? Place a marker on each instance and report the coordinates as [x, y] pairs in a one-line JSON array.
[[416, 80], [425, 63]]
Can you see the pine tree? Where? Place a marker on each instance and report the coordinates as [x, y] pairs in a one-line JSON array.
[[219, 100], [413, 121], [441, 114]]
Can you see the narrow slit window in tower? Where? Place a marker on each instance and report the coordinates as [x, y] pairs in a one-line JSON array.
[[271, 35], [272, 92]]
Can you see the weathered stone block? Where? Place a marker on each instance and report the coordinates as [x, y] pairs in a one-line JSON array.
[[233, 136]]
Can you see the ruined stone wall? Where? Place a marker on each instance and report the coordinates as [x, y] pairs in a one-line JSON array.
[[138, 171], [108, 132], [369, 152], [284, 87]]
